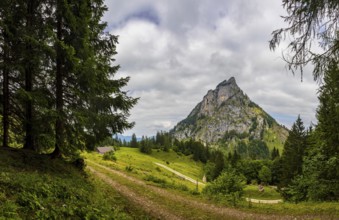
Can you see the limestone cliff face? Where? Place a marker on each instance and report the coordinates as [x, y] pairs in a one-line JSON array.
[[227, 110]]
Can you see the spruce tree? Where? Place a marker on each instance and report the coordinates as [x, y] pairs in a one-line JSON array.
[[324, 154], [32, 38], [293, 152], [59, 123], [96, 106], [134, 141], [328, 112], [28, 69], [5, 73], [11, 82], [319, 179], [275, 153]]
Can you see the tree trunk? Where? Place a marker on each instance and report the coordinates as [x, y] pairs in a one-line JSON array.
[[28, 79], [59, 126], [5, 118]]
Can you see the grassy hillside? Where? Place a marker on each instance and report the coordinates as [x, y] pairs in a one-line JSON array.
[[143, 166], [36, 187], [275, 137]]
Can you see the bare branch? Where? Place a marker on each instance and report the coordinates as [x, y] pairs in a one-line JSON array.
[[309, 21]]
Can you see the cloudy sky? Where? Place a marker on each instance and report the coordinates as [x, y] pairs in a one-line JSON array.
[[176, 50]]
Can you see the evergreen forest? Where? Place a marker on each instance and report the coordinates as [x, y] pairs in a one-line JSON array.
[[59, 94]]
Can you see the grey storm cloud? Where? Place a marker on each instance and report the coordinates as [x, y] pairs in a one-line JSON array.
[[175, 51]]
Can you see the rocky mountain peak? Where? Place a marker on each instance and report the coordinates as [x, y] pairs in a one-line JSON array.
[[225, 110], [225, 91], [230, 82]]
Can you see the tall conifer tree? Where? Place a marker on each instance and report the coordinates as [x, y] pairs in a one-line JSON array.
[[31, 61], [10, 81], [319, 180], [325, 152], [293, 152], [92, 105], [4, 43]]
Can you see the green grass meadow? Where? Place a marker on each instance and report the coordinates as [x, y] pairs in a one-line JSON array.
[[143, 166], [251, 191]]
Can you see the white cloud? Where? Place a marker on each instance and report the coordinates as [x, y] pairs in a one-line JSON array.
[[175, 51]]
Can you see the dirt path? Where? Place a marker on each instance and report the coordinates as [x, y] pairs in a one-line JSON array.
[[149, 206], [265, 201], [262, 201], [158, 211], [180, 174]]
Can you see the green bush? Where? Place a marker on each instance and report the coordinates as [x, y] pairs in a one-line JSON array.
[[110, 155], [9, 210], [265, 174], [79, 163], [182, 187], [228, 185], [155, 179]]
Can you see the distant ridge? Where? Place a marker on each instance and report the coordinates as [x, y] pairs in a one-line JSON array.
[[126, 138]]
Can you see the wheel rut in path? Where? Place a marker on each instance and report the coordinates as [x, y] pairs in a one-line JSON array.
[[147, 205]]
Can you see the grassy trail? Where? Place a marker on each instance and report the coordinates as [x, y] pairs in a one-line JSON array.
[[163, 204], [180, 174], [149, 206], [265, 201]]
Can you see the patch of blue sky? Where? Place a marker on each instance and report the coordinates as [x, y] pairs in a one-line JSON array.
[[148, 14], [284, 119]]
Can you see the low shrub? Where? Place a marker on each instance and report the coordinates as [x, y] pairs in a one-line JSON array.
[[182, 187], [79, 163], [109, 156], [155, 179], [129, 168]]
